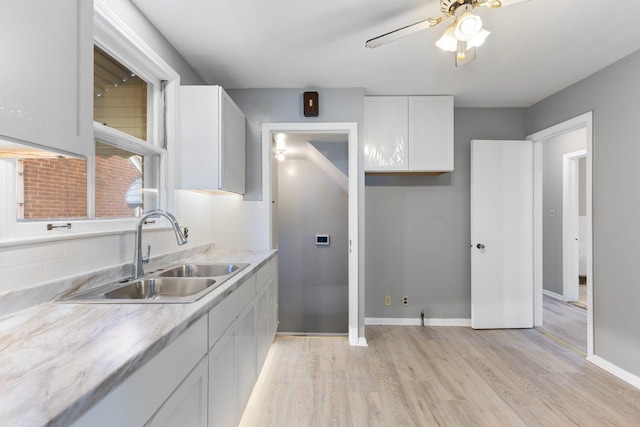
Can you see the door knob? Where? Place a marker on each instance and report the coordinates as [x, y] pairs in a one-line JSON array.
[[480, 246]]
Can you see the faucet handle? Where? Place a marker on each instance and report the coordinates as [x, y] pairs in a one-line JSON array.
[[145, 259]]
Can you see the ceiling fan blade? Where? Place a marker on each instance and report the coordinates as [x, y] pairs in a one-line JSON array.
[[495, 4], [511, 2], [405, 31]]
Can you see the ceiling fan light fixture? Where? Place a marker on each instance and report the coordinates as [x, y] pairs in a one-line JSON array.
[[468, 26], [479, 39], [461, 51], [448, 41]]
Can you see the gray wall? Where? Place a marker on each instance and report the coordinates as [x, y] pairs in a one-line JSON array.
[[552, 177], [136, 21], [418, 228], [614, 97], [285, 106], [313, 279]]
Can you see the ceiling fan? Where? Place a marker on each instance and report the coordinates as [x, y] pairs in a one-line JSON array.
[[462, 36]]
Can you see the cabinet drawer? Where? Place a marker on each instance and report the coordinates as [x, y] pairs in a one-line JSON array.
[[266, 272], [223, 315]]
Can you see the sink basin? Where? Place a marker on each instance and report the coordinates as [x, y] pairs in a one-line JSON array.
[[179, 284], [203, 270], [160, 288]]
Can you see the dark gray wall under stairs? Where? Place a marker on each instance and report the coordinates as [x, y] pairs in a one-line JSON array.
[[313, 280]]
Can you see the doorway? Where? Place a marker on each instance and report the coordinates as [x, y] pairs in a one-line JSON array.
[[583, 123], [355, 200], [312, 227]]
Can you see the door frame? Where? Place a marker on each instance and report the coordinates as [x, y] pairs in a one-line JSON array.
[[570, 224], [584, 121], [356, 214]]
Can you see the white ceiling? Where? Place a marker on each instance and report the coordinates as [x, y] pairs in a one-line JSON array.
[[536, 48]]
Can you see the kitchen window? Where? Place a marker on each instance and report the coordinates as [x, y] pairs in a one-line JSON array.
[[126, 173]]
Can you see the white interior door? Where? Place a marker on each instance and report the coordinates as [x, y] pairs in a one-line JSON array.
[[501, 234]]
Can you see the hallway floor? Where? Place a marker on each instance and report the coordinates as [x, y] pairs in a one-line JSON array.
[[436, 376], [565, 322]]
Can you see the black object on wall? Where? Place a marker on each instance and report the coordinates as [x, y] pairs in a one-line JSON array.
[[311, 107]]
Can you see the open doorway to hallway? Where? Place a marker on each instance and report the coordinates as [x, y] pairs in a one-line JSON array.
[[563, 243], [312, 232]]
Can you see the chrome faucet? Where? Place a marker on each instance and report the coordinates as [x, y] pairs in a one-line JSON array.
[[138, 258]]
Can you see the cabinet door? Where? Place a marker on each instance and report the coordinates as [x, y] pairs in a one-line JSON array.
[[46, 74], [199, 130], [141, 395], [247, 353], [232, 146], [223, 380], [272, 295], [386, 133], [187, 406], [267, 319], [431, 133]]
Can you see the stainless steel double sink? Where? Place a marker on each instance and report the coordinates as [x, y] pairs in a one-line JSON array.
[[182, 283]]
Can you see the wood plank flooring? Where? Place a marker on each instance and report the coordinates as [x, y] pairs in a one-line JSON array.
[[565, 322], [436, 376]]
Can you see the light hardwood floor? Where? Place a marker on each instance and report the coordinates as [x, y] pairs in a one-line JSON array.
[[565, 322], [436, 376]]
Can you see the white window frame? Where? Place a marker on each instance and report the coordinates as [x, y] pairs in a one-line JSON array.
[[113, 36]]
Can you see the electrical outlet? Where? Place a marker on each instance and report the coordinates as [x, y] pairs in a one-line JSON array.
[[387, 300], [405, 300]]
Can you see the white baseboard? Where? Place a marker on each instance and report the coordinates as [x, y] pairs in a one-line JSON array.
[[362, 342], [553, 295], [412, 321], [310, 334], [627, 376]]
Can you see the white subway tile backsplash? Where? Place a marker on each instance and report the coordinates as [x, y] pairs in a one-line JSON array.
[[44, 252], [64, 267], [21, 276], [226, 220], [11, 258]]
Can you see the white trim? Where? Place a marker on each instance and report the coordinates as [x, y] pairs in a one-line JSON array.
[[310, 334], [583, 121], [356, 214], [119, 227], [412, 321], [123, 140], [624, 375], [552, 295], [570, 225], [111, 33]]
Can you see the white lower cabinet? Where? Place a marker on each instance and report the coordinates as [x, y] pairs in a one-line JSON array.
[[247, 354], [206, 376], [136, 401], [267, 324], [187, 406], [223, 380]]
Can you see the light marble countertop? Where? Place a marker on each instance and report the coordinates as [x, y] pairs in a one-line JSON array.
[[57, 360]]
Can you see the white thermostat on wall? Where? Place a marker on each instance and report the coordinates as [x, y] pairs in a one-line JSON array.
[[322, 240]]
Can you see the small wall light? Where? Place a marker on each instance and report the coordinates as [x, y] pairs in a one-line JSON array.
[[280, 146]]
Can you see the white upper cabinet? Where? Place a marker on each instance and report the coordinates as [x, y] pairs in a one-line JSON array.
[[386, 133], [46, 74], [212, 141], [408, 133]]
